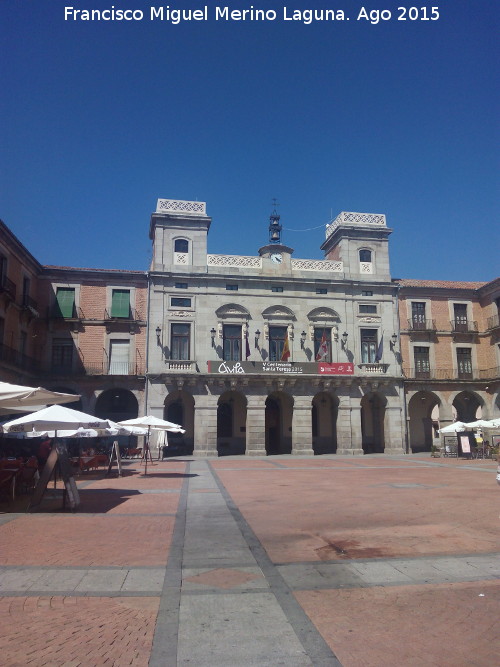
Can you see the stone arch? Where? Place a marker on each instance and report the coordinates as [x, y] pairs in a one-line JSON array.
[[232, 310], [278, 423], [231, 423], [279, 313], [422, 420], [468, 406], [179, 409], [321, 315], [372, 423], [117, 404], [324, 415]]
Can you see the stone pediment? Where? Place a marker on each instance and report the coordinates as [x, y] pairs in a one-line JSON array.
[[230, 310], [278, 313], [323, 315]]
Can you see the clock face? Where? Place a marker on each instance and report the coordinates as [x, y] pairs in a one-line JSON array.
[[277, 257]]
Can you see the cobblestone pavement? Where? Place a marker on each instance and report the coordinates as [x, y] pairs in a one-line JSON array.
[[239, 561]]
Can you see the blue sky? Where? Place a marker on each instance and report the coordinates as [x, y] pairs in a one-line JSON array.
[[99, 120]]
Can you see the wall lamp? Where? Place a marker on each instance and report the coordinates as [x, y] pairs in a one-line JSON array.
[[257, 338], [303, 337], [344, 340], [158, 335], [212, 336], [393, 341]]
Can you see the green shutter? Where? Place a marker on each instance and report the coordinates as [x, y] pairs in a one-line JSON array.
[[65, 302], [120, 304]]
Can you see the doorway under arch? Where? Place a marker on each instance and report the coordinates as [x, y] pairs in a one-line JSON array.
[[372, 423], [179, 409], [231, 424], [278, 423], [116, 404], [468, 406], [324, 423], [423, 413]]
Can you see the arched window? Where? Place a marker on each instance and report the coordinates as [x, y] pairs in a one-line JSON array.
[[365, 255], [181, 245]]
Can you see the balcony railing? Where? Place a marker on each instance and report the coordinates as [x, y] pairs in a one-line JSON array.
[[18, 359], [6, 285], [98, 368], [133, 316], [463, 326], [449, 374], [374, 369], [30, 303], [493, 322], [76, 314], [421, 325]]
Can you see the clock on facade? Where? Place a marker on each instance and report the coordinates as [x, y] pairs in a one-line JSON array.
[[277, 257]]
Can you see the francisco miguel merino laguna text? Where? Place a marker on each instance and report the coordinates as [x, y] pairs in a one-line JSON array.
[[176, 16]]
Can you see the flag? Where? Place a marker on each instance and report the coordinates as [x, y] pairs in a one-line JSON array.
[[380, 350], [247, 346], [285, 355], [323, 349]]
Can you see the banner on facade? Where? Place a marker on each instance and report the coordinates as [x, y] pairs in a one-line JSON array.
[[278, 368]]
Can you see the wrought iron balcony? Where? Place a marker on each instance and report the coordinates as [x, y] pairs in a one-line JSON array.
[[76, 314], [30, 304], [463, 326], [421, 325], [16, 358], [97, 368], [443, 374], [8, 286]]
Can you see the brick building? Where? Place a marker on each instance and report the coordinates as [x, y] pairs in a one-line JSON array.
[[450, 347], [80, 331]]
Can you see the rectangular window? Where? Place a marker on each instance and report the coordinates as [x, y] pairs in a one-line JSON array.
[[460, 316], [277, 337], [62, 354], [232, 342], [119, 355], [368, 308], [422, 363], [120, 303], [180, 338], [23, 340], [277, 288], [418, 315], [367, 293], [181, 285], [180, 302], [232, 288], [65, 302], [368, 346], [2, 329], [464, 362], [322, 344], [26, 290], [321, 290]]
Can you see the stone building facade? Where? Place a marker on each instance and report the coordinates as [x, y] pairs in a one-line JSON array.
[[220, 327]]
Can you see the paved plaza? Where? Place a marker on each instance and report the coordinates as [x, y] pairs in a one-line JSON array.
[[293, 561]]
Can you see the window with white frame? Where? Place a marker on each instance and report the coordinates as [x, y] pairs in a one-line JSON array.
[[119, 356]]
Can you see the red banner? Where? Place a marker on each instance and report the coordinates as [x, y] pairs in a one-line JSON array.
[[336, 369]]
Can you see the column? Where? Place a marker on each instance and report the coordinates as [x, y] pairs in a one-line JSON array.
[[256, 426], [205, 426], [349, 434], [302, 426], [394, 436]]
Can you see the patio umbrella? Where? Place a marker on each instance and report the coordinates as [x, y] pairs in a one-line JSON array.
[[492, 423], [453, 428], [17, 398], [55, 418], [155, 423], [479, 423]]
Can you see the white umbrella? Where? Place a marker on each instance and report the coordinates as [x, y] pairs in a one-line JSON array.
[[492, 423], [17, 398], [154, 423], [479, 423], [55, 418], [150, 422], [453, 428]]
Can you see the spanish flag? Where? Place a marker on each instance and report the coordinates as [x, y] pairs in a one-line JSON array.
[[285, 355]]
